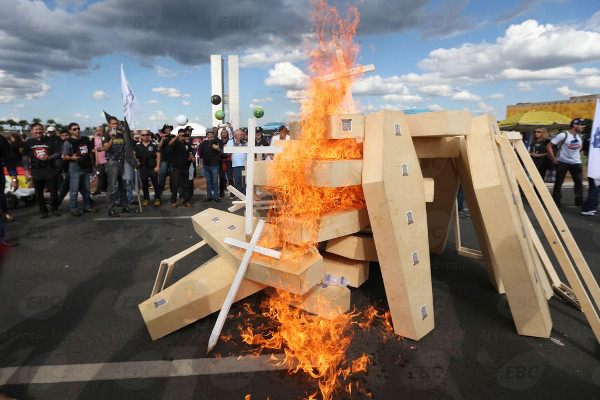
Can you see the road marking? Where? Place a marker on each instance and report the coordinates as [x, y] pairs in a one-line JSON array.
[[136, 370], [140, 218]]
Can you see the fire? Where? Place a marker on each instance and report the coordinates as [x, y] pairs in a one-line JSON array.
[[297, 202]]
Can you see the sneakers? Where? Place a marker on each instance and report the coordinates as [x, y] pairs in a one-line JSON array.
[[90, 210], [56, 213], [157, 203], [114, 213], [207, 199], [129, 211], [76, 213], [146, 203], [588, 213], [217, 200], [188, 205]]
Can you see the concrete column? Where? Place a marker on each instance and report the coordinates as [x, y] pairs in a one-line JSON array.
[[216, 84], [233, 90]]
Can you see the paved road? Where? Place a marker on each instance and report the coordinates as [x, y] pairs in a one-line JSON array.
[[69, 319]]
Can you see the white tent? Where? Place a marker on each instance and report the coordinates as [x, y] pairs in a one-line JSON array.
[[199, 130]]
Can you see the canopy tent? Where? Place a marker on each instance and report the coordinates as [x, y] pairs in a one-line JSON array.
[[199, 130], [534, 119]]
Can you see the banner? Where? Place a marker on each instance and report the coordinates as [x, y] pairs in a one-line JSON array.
[[594, 152], [132, 110]]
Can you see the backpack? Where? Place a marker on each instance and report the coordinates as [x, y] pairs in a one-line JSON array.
[[558, 147]]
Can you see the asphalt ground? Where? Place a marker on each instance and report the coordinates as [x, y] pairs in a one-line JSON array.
[[70, 327]]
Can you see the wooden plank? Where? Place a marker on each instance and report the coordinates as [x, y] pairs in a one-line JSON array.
[[440, 210], [345, 126], [545, 265], [333, 173], [463, 168], [513, 135], [198, 294], [326, 301], [297, 276], [439, 123], [165, 269], [356, 247], [392, 183], [437, 147], [329, 226], [506, 231], [356, 272], [296, 130]]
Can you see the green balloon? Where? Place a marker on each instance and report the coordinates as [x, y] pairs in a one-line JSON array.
[[220, 114], [258, 112]]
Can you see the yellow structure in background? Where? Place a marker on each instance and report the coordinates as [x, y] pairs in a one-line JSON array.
[[575, 107]]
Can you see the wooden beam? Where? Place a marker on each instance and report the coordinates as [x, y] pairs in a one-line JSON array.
[[356, 247], [333, 173], [296, 276], [392, 183], [439, 123], [356, 272], [196, 295], [345, 126], [326, 301]]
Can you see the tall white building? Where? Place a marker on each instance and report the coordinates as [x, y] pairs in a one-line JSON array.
[[231, 94]]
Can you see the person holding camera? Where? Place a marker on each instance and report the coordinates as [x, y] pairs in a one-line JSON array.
[[114, 148], [77, 150], [181, 157], [147, 155], [210, 156], [165, 156]]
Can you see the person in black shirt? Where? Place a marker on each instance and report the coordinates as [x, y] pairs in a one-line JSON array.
[[147, 155], [538, 151], [78, 151], [181, 156], [165, 156], [114, 147], [210, 152], [7, 159], [225, 168], [41, 160]]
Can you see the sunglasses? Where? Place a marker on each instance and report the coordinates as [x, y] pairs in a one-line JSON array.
[[537, 131], [186, 135], [143, 134], [75, 129]]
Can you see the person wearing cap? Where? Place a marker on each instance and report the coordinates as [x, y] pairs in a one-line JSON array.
[[281, 134], [77, 150], [259, 140], [165, 156], [210, 151], [181, 154], [568, 159], [52, 133], [148, 159]]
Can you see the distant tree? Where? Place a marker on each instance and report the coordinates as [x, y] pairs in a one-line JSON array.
[[11, 122], [1, 128], [51, 122], [23, 123], [36, 121]]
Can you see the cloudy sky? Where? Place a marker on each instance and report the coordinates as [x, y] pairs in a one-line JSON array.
[[61, 59]]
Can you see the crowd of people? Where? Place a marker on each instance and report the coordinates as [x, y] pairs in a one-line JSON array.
[[66, 162]]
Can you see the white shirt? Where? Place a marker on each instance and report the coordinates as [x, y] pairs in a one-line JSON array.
[[570, 152], [237, 159]]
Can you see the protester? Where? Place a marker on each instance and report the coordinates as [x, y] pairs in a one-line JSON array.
[[238, 161], [6, 159], [78, 151], [147, 155], [593, 152], [225, 167], [261, 141], [181, 156], [281, 134], [100, 161], [165, 156], [114, 146], [191, 168], [41, 160], [63, 177], [538, 151], [210, 151], [568, 159]]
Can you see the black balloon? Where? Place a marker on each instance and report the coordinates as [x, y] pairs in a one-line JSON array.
[[215, 99]]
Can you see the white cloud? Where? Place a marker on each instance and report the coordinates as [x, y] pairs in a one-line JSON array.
[[20, 105], [435, 107], [153, 101], [376, 85], [287, 76], [100, 94], [464, 95], [403, 98], [80, 115], [169, 92], [437, 90], [295, 96], [588, 82], [496, 96], [165, 72], [566, 92], [525, 87], [157, 115], [266, 100], [483, 108], [550, 73], [185, 102], [291, 115]]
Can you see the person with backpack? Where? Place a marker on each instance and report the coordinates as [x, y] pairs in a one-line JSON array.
[[567, 157]]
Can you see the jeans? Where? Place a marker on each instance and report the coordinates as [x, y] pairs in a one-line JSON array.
[[50, 184], [101, 182], [63, 183], [238, 179], [145, 174], [114, 174], [179, 177], [79, 180], [576, 173], [591, 204], [165, 171], [212, 182]]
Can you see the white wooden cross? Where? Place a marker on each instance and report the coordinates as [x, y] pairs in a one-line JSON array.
[[347, 106], [251, 150], [251, 248]]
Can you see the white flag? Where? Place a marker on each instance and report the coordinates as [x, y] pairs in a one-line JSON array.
[[594, 152], [131, 107]]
